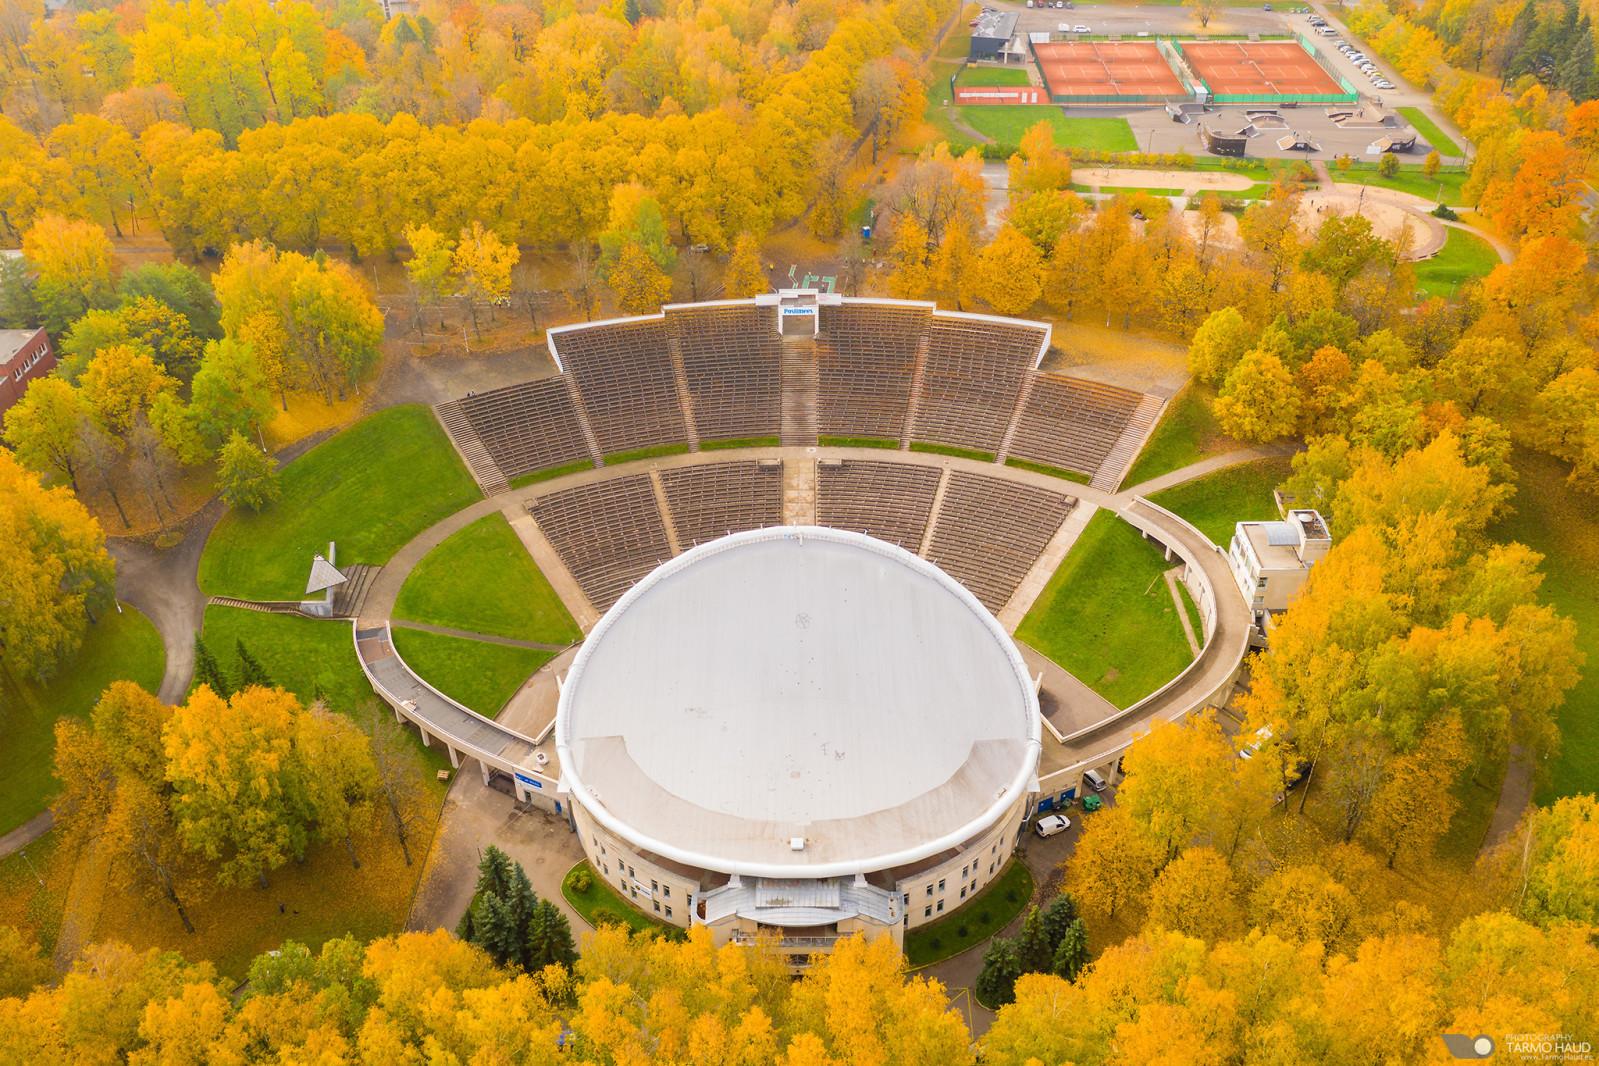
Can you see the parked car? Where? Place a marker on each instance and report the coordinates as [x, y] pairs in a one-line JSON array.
[[1079, 28], [1051, 824], [1250, 750], [1094, 779]]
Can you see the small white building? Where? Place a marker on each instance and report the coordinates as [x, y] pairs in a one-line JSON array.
[[1270, 560]]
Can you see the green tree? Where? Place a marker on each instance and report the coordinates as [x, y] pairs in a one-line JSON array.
[[1218, 344], [178, 286], [549, 938], [208, 672], [42, 428], [251, 672], [1002, 965], [247, 476], [230, 393], [1388, 165]]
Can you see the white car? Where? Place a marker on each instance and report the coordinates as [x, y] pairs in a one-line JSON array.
[[1051, 824], [1079, 28], [1262, 735]]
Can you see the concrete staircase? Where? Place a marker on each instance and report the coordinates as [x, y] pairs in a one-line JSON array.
[[261, 606], [1108, 477], [485, 471], [685, 398], [589, 438], [918, 372], [933, 512], [800, 383], [1016, 417], [799, 492], [349, 598]]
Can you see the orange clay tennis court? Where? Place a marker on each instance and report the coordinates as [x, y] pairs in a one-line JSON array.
[[1106, 69], [1258, 68]]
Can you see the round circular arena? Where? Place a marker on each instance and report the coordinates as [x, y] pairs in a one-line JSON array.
[[798, 729]]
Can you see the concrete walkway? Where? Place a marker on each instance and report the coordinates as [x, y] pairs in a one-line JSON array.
[[468, 634], [1515, 793], [26, 833], [1207, 466]]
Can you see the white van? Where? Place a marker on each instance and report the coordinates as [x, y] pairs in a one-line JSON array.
[[1094, 780]]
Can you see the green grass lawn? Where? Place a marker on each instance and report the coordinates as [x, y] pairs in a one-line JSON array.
[[1052, 471], [949, 449], [979, 918], [119, 646], [1557, 520], [971, 76], [1107, 617], [1217, 502], [371, 489], [603, 903], [1430, 132], [311, 658], [856, 442], [1464, 256], [482, 579], [550, 473], [1409, 179], [1186, 433], [479, 675], [1007, 124], [654, 451], [740, 442]]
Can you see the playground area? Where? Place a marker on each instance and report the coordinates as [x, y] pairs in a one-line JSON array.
[[1080, 72], [1277, 71]]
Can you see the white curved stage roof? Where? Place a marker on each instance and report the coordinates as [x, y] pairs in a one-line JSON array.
[[797, 682]]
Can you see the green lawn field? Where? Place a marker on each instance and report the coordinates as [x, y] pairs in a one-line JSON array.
[[482, 579], [1217, 502], [371, 489], [984, 915], [1007, 124], [1464, 256], [479, 675], [119, 646], [1410, 179], [313, 659], [1186, 433], [1107, 616], [987, 76], [603, 903], [1430, 132], [1557, 520]]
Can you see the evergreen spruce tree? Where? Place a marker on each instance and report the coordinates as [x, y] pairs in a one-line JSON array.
[[996, 982], [1071, 955], [549, 938], [1058, 917], [493, 872], [1033, 948], [251, 672], [208, 672]]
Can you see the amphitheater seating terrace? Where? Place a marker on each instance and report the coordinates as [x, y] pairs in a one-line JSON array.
[[991, 558], [609, 534], [865, 358], [730, 356], [1071, 423], [886, 500], [720, 498], [527, 427], [971, 380], [625, 378]]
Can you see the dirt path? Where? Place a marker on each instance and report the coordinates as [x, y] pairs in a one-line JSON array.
[[1189, 181]]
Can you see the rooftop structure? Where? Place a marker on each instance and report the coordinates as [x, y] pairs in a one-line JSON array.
[[25, 354], [1270, 560], [851, 696]]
